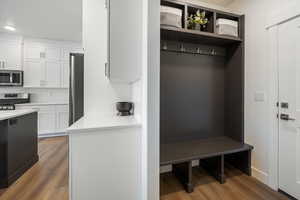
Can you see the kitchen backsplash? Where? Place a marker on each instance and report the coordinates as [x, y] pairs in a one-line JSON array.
[[41, 95]]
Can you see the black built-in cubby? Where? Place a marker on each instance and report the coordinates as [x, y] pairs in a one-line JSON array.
[[202, 98], [191, 10]]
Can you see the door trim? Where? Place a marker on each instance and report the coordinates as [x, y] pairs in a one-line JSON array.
[[273, 72]]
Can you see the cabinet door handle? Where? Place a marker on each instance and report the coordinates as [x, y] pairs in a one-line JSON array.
[[42, 55], [107, 70], [13, 122], [107, 64]]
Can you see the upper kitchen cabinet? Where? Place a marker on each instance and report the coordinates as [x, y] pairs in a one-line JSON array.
[[46, 63], [10, 55], [41, 51], [125, 40]]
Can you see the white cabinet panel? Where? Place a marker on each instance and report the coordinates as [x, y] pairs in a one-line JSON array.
[[65, 74], [47, 122], [53, 53], [10, 54], [33, 52], [125, 40], [52, 71], [62, 118], [34, 73], [54, 67]]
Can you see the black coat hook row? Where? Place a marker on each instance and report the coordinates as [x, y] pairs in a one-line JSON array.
[[196, 52]]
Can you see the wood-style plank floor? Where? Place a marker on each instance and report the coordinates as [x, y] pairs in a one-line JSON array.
[[238, 186], [48, 180]]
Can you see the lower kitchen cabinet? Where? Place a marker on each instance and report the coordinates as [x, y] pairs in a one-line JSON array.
[[46, 119], [18, 147], [52, 119], [62, 118]]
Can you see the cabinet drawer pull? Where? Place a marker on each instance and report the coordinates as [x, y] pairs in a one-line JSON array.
[[13, 122]]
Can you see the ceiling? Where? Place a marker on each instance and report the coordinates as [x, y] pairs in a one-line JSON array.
[[51, 19], [218, 2]]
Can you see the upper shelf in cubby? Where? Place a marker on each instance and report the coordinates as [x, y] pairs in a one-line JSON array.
[[208, 34], [192, 36]]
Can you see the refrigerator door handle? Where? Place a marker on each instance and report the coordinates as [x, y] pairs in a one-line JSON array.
[[72, 91]]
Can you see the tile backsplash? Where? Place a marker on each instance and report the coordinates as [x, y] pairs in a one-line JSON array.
[[41, 95]]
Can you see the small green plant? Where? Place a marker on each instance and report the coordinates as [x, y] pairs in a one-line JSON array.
[[198, 19]]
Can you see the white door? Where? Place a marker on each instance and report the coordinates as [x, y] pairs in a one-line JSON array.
[[289, 107]]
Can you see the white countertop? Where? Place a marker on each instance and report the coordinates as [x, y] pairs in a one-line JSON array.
[[107, 122], [4, 115], [42, 103]]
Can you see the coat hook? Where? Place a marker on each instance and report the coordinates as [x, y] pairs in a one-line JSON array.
[[165, 46], [213, 52], [182, 49], [198, 50]]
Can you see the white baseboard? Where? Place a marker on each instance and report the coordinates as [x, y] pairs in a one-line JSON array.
[[260, 175], [47, 135]]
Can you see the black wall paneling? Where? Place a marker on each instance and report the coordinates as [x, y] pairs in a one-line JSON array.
[[202, 98]]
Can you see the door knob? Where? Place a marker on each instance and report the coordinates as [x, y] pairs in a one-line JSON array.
[[286, 117]]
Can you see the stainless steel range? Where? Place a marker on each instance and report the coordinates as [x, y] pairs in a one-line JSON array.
[[8, 100]]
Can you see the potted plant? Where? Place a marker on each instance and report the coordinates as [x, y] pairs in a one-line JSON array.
[[197, 21]]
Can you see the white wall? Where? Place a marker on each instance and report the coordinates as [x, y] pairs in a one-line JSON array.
[[257, 124], [100, 94]]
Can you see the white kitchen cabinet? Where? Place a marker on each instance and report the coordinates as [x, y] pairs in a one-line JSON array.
[[40, 73], [125, 65], [34, 73], [54, 64], [10, 55], [62, 118], [65, 74], [33, 52], [46, 120], [53, 53], [52, 119], [52, 73]]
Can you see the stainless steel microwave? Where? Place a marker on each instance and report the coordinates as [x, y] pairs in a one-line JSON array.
[[11, 78]]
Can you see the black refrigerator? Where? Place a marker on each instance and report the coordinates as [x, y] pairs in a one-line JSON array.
[[76, 90]]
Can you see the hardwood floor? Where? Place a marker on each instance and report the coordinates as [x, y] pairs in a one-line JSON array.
[[238, 186], [48, 180]]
